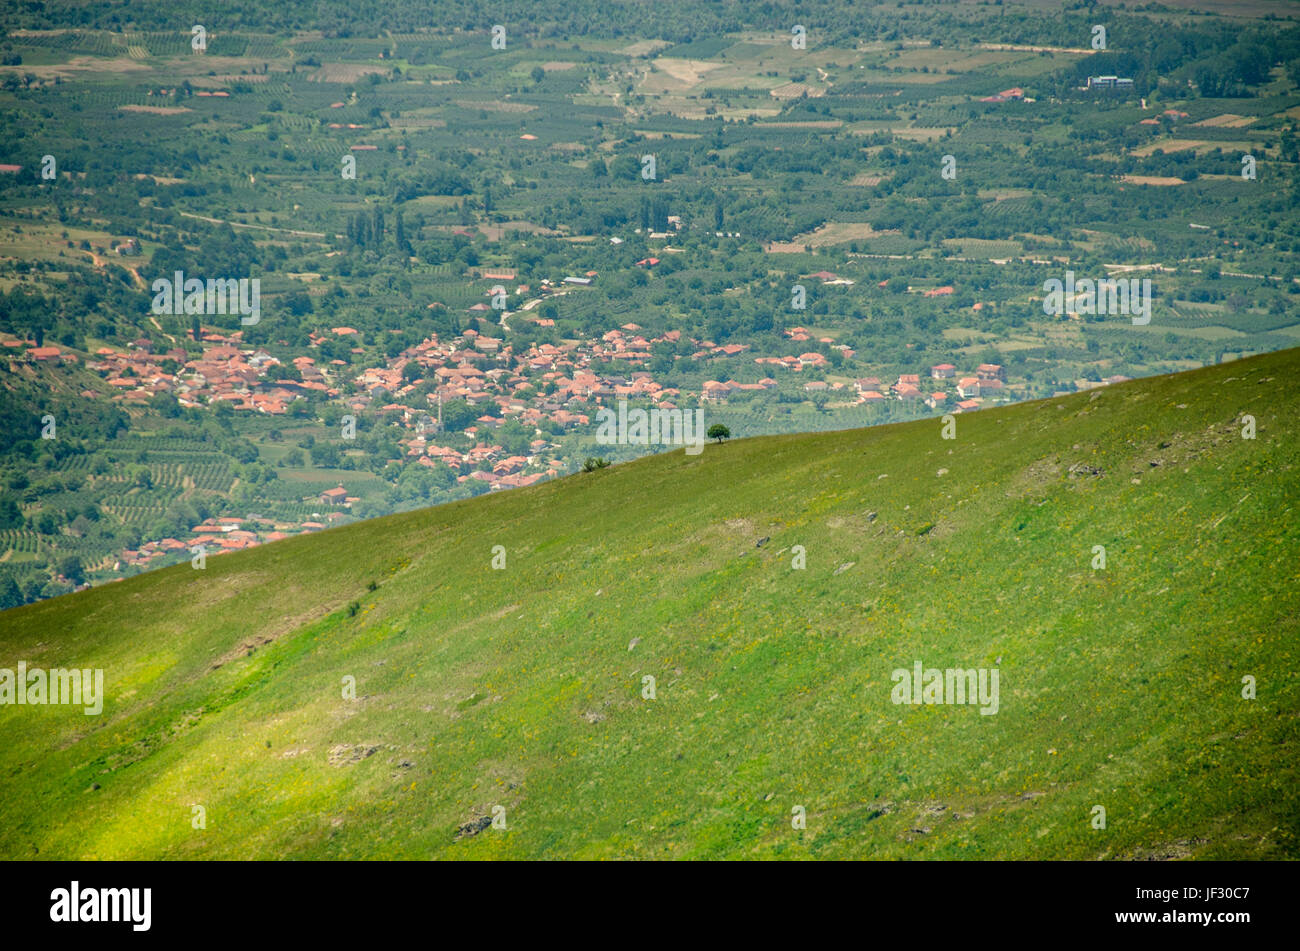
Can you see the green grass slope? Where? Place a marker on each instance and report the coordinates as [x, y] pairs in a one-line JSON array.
[[521, 688]]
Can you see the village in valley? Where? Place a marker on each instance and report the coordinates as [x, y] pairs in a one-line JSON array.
[[540, 385]]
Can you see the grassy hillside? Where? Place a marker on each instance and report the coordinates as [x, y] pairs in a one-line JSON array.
[[522, 688]]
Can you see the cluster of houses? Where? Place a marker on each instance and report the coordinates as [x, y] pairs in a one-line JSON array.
[[41, 354], [223, 373], [945, 388], [217, 535], [544, 384], [967, 392], [489, 464]]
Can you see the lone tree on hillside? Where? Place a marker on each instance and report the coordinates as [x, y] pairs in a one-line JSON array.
[[719, 432]]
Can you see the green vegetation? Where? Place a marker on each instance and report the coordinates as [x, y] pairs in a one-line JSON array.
[[523, 687]]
